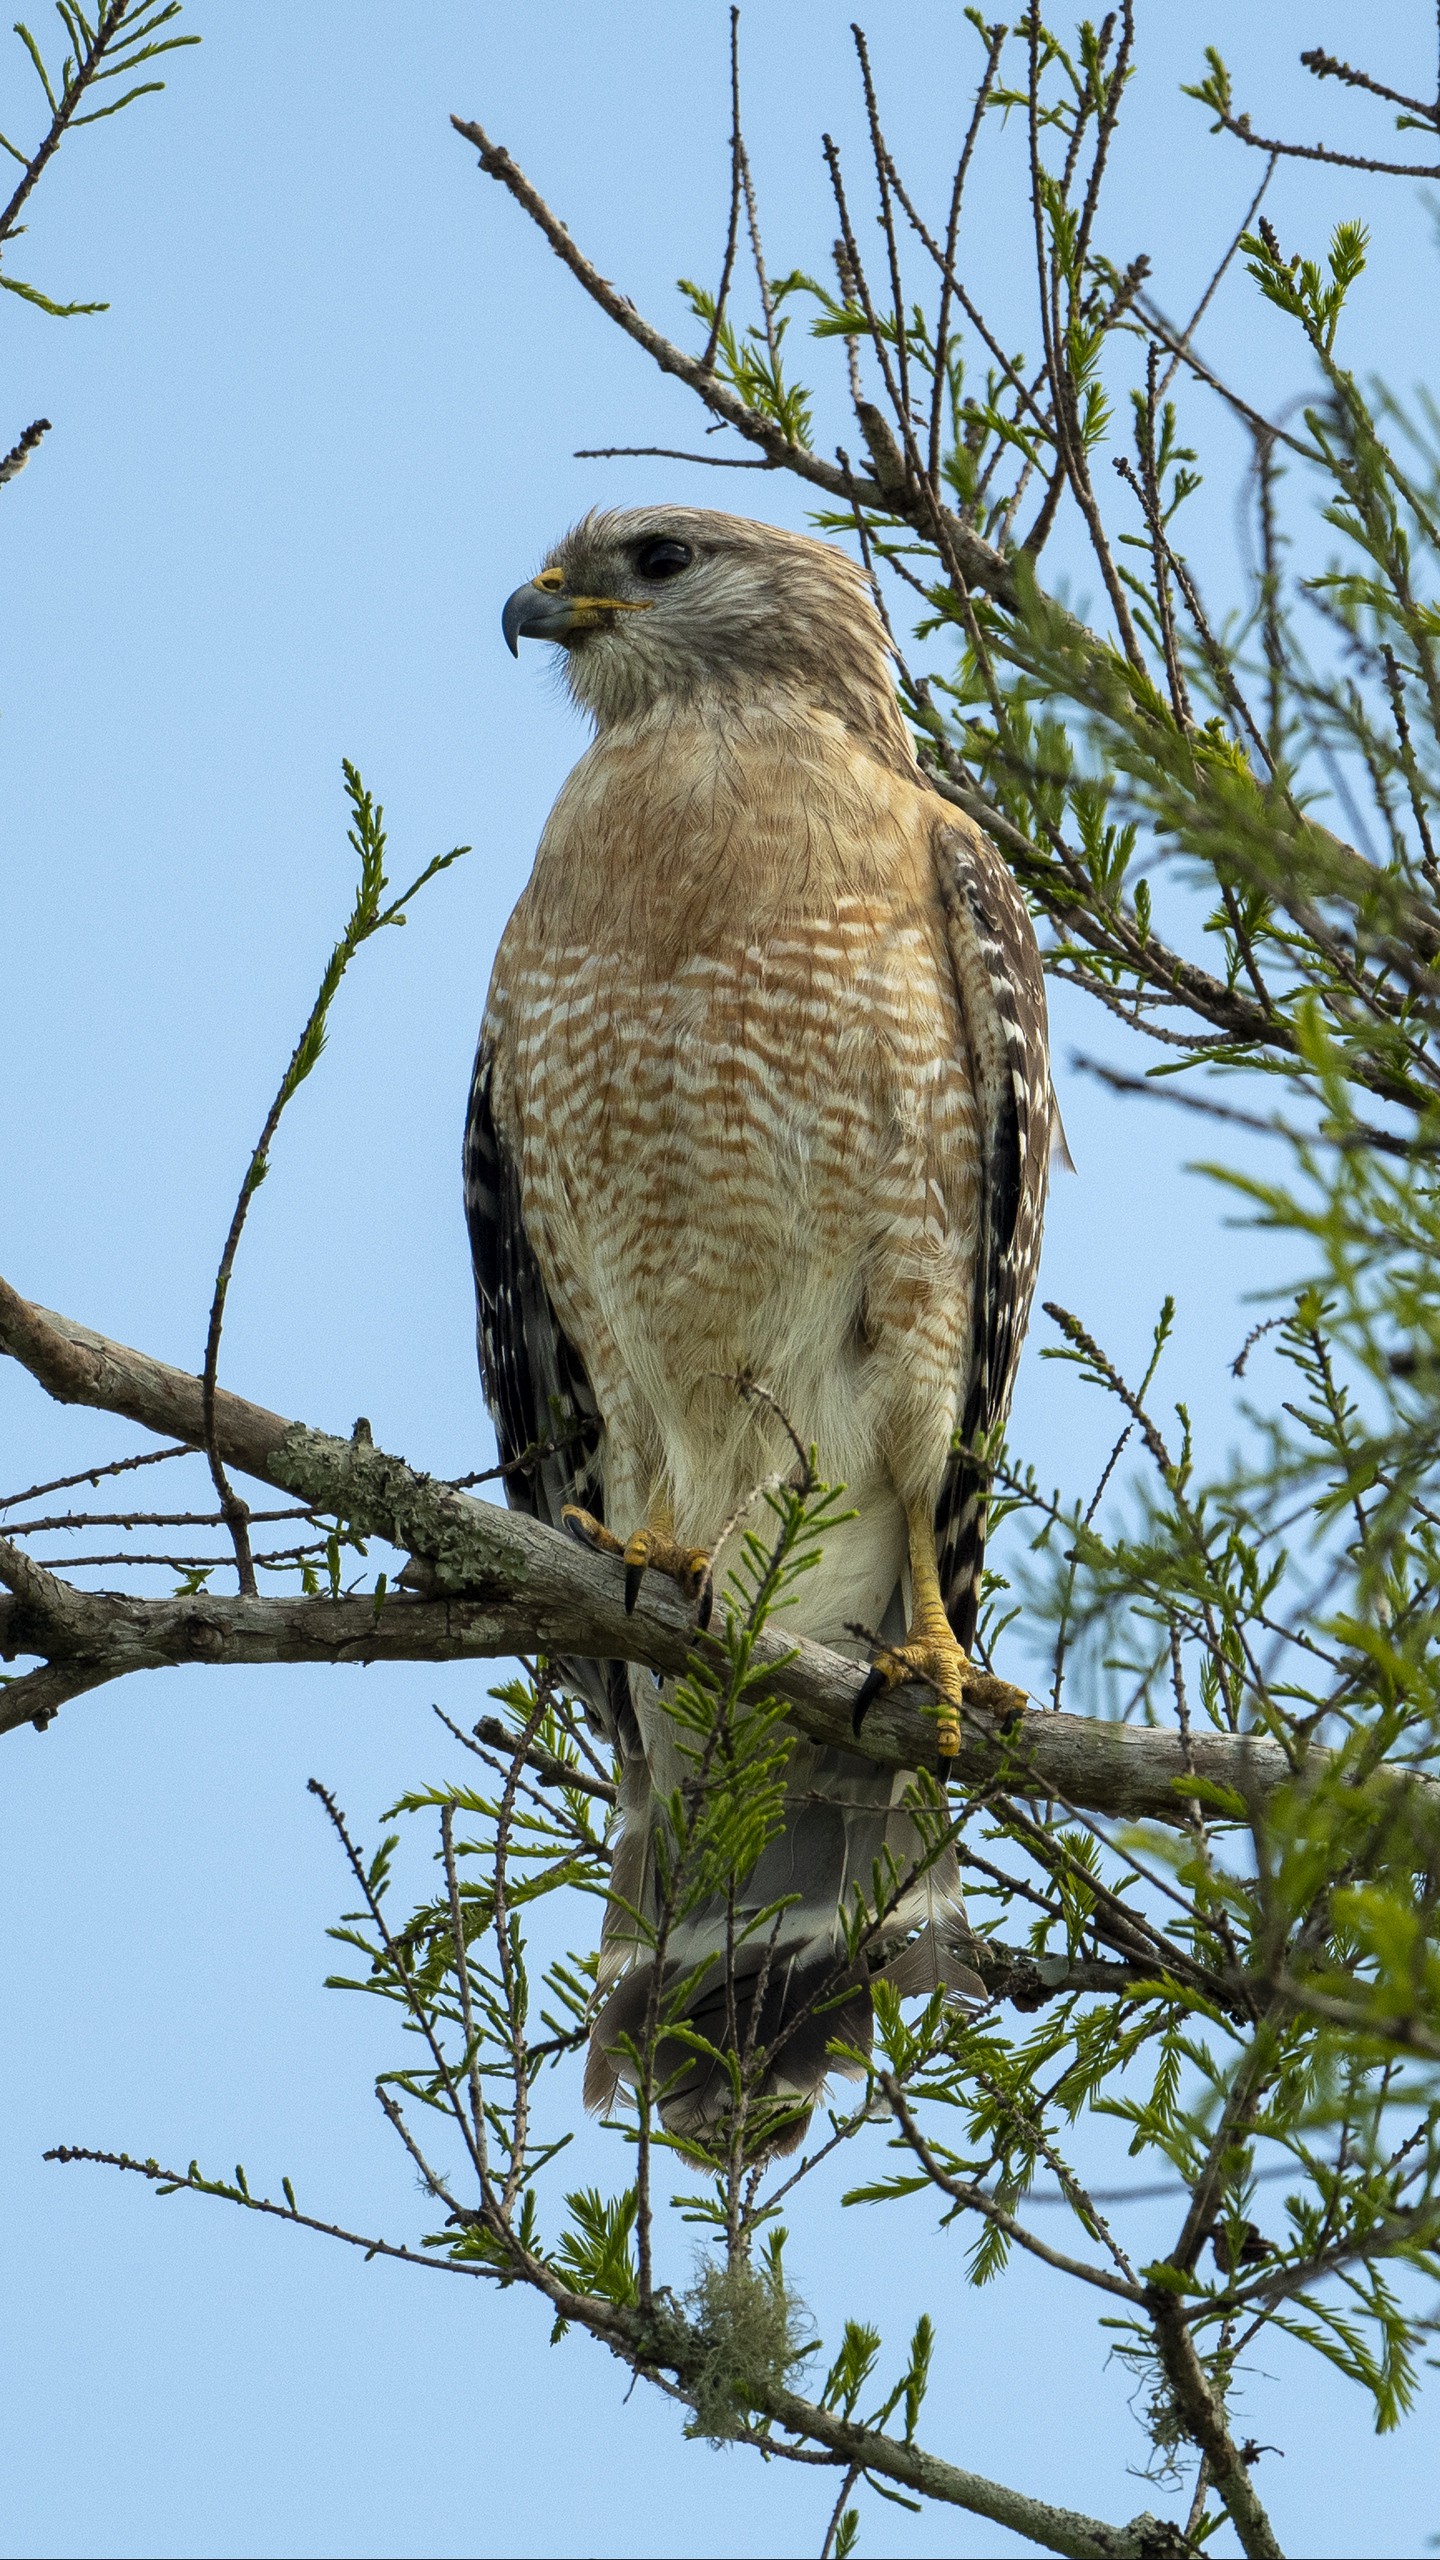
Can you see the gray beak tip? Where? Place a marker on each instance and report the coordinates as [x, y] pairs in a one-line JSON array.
[[512, 620], [536, 613]]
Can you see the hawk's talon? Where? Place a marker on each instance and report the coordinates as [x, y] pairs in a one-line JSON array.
[[940, 1662], [644, 1550], [590, 1531], [865, 1697]]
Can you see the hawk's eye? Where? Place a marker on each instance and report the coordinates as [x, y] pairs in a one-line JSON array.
[[662, 558]]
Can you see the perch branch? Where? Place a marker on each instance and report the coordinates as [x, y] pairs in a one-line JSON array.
[[503, 1584]]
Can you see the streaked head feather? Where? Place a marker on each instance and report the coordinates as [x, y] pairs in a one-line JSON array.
[[758, 611]]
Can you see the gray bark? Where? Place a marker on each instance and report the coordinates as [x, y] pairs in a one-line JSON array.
[[504, 1584]]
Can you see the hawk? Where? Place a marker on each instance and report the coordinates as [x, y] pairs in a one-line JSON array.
[[762, 1089]]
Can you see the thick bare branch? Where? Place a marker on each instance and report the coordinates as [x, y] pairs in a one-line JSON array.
[[1146, 2537], [505, 1584], [115, 1633], [1202, 2414], [76, 1366]]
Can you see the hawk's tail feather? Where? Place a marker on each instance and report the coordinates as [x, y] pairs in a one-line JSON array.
[[769, 1977], [792, 2007]]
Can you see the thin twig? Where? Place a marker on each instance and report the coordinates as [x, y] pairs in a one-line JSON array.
[[92, 1475], [676, 453], [20, 452], [732, 235]]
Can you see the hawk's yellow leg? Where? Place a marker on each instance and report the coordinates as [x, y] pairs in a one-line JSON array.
[[932, 1651], [655, 1546]]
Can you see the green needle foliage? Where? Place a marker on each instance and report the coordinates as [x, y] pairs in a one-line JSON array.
[[121, 38]]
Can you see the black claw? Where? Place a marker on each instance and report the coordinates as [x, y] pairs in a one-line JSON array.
[[707, 1603], [634, 1575], [870, 1689], [942, 1771]]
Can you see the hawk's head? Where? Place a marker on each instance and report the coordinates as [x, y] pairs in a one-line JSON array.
[[672, 608]]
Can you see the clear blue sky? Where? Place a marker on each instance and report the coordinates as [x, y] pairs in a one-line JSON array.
[[326, 426]]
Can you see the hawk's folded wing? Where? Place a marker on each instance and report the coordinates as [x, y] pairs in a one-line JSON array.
[[1001, 988], [545, 1416]]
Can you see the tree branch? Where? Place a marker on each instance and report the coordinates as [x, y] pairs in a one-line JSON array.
[[982, 565], [964, 2191], [1147, 2537], [506, 1584], [652, 2346], [1203, 2417]]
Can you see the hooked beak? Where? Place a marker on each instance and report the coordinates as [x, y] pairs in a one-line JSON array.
[[533, 614], [540, 611]]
